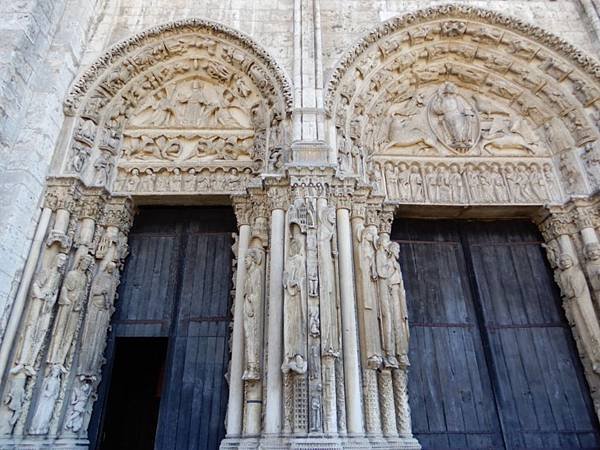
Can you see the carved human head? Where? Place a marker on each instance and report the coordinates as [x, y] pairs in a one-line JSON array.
[[85, 262], [253, 255], [384, 240], [592, 251], [135, 172], [60, 261], [449, 89], [454, 168], [565, 261], [110, 267], [414, 169]]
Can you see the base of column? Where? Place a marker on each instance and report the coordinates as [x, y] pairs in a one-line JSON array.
[[307, 443], [43, 444]]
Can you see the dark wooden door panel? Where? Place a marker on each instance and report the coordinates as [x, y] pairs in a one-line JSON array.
[[543, 398], [451, 394], [177, 283], [147, 290], [493, 360], [193, 411]]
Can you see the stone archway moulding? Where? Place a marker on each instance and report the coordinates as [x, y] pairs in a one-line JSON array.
[[191, 106], [459, 105]]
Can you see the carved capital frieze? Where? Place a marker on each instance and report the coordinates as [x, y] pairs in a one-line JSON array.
[[278, 197], [386, 218], [62, 193], [558, 223], [118, 212], [242, 208], [586, 217]]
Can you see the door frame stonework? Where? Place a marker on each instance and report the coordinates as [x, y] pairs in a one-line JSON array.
[[303, 211]]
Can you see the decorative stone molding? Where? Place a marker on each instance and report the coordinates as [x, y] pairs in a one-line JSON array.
[[82, 87], [488, 109], [467, 13]]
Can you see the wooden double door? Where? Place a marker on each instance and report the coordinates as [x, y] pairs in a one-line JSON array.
[[164, 385], [493, 361]]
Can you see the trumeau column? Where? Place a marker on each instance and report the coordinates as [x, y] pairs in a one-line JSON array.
[[354, 413], [255, 263], [561, 231]]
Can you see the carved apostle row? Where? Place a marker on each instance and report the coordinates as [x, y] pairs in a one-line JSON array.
[[186, 180], [465, 183]]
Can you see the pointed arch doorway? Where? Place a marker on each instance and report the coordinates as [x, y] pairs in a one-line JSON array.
[[164, 385]]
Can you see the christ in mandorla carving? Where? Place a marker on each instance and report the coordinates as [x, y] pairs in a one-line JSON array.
[[453, 120]]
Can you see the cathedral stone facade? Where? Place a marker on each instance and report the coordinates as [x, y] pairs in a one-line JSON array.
[[356, 145]]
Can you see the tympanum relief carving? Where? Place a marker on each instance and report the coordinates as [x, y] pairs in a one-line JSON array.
[[192, 97], [414, 89]]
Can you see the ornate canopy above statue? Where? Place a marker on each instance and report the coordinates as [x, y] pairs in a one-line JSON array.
[[506, 110]]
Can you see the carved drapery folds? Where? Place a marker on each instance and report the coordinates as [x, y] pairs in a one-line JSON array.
[[383, 322], [190, 107], [314, 398], [573, 249], [452, 104], [48, 389]]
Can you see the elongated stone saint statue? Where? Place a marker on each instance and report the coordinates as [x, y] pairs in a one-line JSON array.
[[14, 401], [294, 279], [43, 297], [95, 328], [253, 288], [385, 270], [45, 407], [578, 303], [399, 309], [592, 254], [70, 307], [326, 232], [367, 237]]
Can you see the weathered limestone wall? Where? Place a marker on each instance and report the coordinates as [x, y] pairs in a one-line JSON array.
[[41, 42], [268, 22]]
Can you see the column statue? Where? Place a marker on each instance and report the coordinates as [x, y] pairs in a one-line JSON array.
[[253, 288], [43, 297], [70, 306]]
